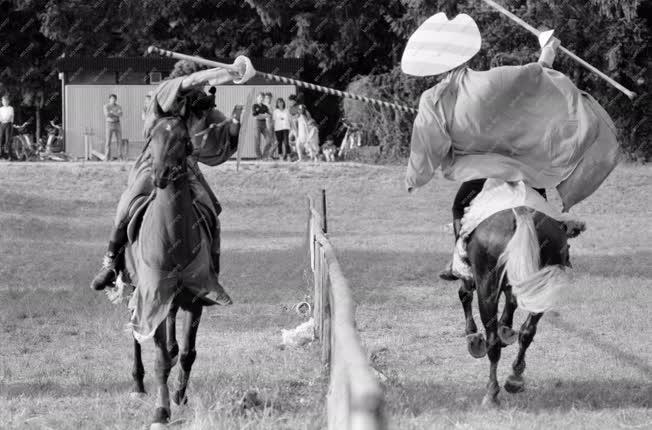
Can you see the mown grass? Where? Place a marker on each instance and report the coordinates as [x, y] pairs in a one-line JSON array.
[[65, 359]]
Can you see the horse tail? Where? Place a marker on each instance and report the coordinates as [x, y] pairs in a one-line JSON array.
[[536, 290]]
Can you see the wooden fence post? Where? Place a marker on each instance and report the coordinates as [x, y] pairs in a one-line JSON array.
[[323, 210], [326, 314]]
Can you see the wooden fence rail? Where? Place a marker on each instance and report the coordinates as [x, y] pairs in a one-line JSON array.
[[355, 397]]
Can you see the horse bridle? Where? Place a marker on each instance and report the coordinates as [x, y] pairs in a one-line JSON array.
[[180, 170]]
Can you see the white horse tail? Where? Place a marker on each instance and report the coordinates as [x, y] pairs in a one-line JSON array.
[[536, 290]]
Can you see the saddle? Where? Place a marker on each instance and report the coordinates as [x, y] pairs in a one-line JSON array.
[[496, 196]]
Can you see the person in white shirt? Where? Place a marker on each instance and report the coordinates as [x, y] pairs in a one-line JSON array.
[[302, 131], [281, 117], [312, 141], [6, 127], [148, 100], [112, 112]]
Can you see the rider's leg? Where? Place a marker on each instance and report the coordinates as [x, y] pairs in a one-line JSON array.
[[141, 186], [467, 192]]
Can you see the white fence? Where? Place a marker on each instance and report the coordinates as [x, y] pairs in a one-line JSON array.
[[355, 397]]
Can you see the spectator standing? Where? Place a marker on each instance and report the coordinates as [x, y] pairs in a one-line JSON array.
[[267, 101], [6, 128], [260, 112], [112, 112], [307, 135], [293, 109], [281, 118], [148, 100], [312, 142]]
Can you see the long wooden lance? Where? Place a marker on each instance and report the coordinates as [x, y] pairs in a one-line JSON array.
[[269, 76], [528, 27]]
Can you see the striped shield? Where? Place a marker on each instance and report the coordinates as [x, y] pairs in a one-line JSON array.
[[440, 45]]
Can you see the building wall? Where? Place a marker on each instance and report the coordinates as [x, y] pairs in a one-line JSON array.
[[84, 113]]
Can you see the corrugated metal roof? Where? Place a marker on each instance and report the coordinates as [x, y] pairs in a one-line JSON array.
[[281, 66]]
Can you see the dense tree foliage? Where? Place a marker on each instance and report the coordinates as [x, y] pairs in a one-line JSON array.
[[342, 43]]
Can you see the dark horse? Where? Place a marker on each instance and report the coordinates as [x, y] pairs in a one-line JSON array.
[[522, 254], [169, 239]]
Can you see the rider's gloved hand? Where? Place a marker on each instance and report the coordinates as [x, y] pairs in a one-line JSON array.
[[245, 71], [549, 45]]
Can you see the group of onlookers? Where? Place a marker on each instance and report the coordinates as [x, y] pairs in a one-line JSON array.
[[284, 130]]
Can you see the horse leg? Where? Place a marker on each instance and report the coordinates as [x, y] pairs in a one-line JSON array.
[[488, 304], [475, 342], [138, 372], [505, 332], [514, 383], [171, 324], [161, 371], [188, 353]]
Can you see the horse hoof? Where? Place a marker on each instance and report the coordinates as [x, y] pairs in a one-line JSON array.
[[514, 384], [137, 395], [178, 400], [161, 419], [507, 335], [490, 401], [476, 345]]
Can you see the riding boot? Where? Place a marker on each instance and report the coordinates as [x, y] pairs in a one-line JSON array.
[[113, 261], [447, 274], [218, 294]]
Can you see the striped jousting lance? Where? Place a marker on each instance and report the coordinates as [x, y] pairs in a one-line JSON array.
[[331, 91]]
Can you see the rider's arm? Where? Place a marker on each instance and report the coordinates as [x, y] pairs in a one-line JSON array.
[[220, 76], [203, 77]]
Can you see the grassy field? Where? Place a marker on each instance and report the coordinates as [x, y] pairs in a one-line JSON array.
[[65, 357]]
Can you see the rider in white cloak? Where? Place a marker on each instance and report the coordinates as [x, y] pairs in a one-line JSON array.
[[525, 123], [214, 138]]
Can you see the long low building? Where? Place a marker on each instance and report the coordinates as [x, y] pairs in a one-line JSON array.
[[88, 81]]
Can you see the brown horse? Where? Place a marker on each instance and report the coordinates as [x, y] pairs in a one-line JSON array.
[[168, 239], [522, 254]]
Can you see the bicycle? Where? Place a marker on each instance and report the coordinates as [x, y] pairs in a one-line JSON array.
[[352, 138], [23, 146]]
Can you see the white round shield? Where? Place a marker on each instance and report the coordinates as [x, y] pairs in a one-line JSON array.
[[440, 45]]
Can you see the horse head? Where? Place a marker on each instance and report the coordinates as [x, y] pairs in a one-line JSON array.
[[169, 145]]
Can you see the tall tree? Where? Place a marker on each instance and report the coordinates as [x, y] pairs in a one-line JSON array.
[[27, 72]]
